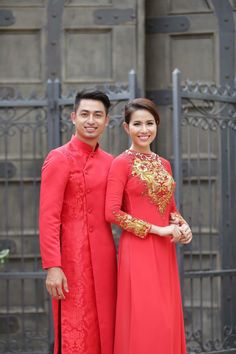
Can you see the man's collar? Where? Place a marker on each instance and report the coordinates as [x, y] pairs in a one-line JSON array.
[[82, 146]]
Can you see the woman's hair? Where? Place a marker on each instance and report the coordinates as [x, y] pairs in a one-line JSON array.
[[141, 103]]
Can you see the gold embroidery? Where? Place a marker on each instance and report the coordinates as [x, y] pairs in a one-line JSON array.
[[138, 227], [179, 217], [159, 183]]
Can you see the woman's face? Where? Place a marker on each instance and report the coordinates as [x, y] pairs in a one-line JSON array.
[[142, 130]]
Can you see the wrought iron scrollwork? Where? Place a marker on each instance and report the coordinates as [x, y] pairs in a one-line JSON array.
[[209, 106], [195, 343]]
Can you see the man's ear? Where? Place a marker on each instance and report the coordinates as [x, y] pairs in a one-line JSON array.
[[126, 127], [72, 117], [107, 120]]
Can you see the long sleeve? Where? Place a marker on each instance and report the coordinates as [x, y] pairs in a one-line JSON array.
[[117, 180], [55, 173], [174, 211]]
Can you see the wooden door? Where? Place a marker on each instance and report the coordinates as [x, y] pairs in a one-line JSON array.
[[83, 44], [187, 35]]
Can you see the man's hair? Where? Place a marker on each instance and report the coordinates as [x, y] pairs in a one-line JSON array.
[[92, 95]]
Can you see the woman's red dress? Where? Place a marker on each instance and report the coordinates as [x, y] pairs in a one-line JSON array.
[[149, 313]]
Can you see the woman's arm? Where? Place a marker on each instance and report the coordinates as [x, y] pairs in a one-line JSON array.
[[177, 219], [117, 180]]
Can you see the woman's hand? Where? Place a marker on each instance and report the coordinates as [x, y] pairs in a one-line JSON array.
[[174, 219], [182, 234], [171, 230], [186, 234]]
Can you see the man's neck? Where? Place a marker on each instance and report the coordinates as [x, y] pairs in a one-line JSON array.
[[92, 142]]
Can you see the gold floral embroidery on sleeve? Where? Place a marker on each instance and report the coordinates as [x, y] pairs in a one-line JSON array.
[[179, 217], [139, 227]]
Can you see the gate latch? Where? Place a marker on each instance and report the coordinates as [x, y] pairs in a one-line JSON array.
[[113, 16], [167, 24]]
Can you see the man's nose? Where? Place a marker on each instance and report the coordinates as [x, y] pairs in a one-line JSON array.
[[91, 118]]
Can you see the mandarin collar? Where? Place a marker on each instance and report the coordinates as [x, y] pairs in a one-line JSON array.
[[80, 145]]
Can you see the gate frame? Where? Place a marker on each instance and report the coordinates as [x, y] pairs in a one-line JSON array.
[[227, 224], [54, 102]]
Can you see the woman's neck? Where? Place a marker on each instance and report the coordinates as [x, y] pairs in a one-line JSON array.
[[144, 150]]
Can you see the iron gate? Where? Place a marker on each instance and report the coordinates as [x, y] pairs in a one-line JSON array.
[[204, 121], [37, 125]]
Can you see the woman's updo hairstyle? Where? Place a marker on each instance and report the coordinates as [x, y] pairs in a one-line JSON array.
[[144, 104]]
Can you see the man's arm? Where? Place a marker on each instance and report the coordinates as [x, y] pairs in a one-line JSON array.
[[55, 172]]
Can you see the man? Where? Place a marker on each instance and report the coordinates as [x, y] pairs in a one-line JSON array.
[[76, 243]]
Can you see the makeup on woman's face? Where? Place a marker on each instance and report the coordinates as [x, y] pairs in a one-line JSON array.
[[142, 130]]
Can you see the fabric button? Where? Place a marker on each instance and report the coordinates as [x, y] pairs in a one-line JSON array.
[[88, 190], [85, 172], [89, 210], [90, 229]]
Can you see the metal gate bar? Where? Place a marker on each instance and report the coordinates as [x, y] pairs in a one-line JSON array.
[[201, 114], [29, 128]]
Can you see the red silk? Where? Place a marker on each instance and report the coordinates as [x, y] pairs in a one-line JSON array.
[[149, 310], [75, 236]]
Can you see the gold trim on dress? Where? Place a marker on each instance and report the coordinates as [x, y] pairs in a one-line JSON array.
[[179, 216], [139, 227], [159, 183]]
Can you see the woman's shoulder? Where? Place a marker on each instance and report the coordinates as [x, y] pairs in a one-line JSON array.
[[166, 163], [121, 160]]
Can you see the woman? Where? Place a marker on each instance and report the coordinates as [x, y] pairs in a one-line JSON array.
[[140, 199]]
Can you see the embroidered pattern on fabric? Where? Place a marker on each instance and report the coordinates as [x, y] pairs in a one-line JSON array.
[[179, 216], [138, 227], [159, 183]]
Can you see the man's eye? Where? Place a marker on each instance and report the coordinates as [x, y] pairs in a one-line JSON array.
[[151, 123], [136, 124], [84, 115]]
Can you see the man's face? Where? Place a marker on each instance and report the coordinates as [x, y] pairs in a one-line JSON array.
[[90, 120]]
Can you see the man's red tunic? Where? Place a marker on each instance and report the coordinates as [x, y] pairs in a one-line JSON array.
[[75, 236]]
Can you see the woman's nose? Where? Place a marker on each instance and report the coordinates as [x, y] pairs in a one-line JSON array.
[[143, 128]]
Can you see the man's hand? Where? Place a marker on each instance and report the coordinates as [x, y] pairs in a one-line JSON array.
[[56, 283]]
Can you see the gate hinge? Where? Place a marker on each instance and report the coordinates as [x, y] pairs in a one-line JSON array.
[[167, 24], [160, 97], [113, 16], [6, 18], [7, 169]]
